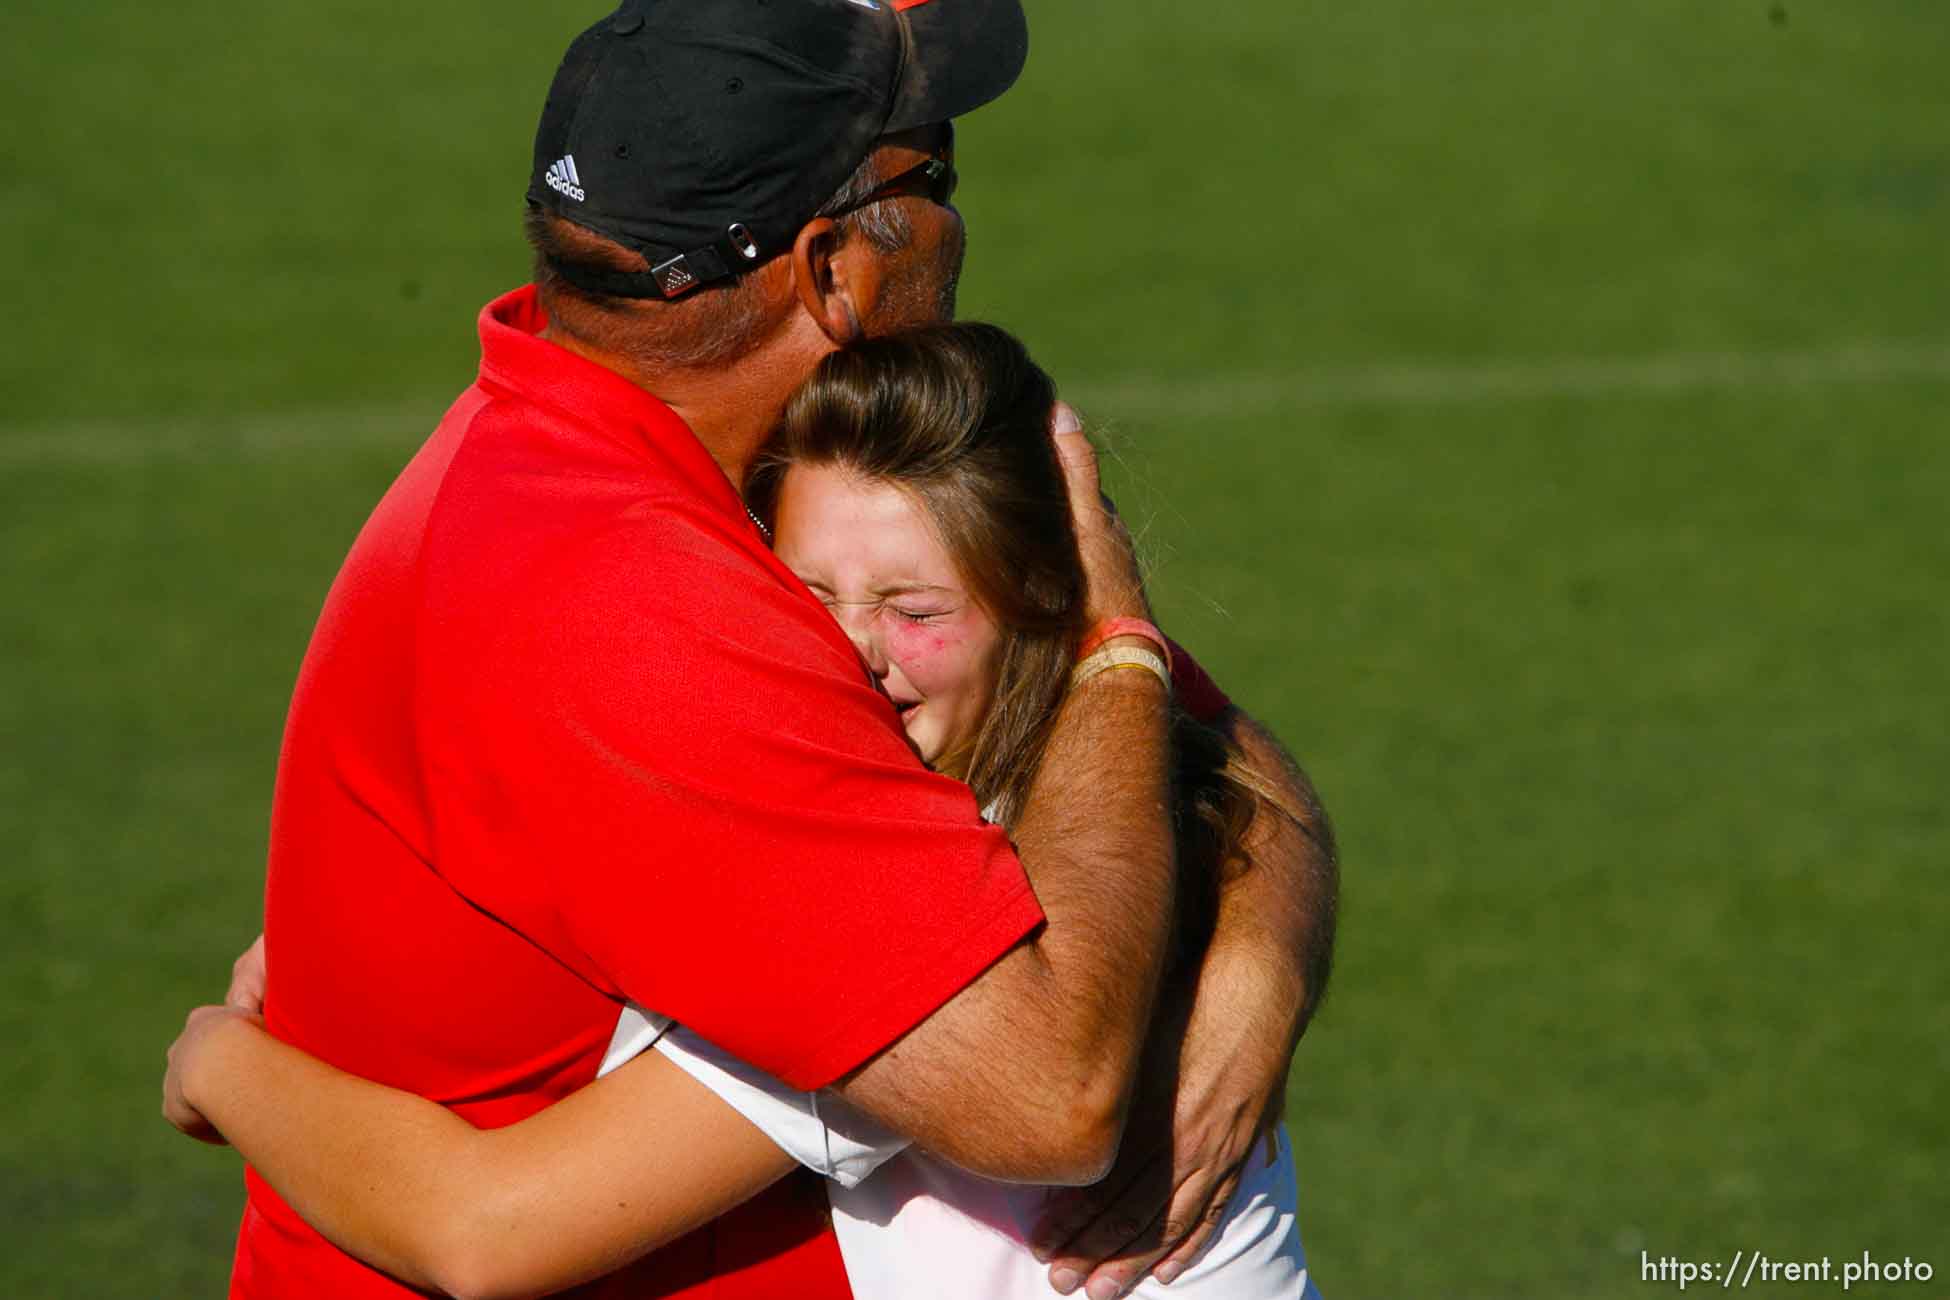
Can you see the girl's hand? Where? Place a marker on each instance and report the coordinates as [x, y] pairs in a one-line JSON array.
[[189, 1054], [247, 976]]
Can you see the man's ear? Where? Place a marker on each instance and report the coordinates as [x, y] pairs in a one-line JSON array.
[[837, 279]]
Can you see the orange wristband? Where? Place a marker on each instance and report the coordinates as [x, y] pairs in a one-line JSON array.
[[1116, 627]]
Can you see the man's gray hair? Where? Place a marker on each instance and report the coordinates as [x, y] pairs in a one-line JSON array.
[[883, 225]]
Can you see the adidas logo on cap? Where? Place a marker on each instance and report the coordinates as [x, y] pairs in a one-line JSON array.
[[562, 178]]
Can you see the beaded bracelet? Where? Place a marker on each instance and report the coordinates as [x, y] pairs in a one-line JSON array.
[[1115, 657]]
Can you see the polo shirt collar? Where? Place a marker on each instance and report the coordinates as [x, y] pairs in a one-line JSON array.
[[515, 357]]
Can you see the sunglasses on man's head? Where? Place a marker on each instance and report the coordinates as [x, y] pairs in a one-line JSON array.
[[933, 180]]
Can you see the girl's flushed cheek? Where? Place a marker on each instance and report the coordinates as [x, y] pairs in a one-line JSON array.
[[921, 640], [933, 656]]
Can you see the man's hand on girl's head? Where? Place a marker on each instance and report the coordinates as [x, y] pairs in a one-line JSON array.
[[1110, 567]]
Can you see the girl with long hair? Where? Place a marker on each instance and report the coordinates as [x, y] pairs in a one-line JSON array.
[[913, 485]]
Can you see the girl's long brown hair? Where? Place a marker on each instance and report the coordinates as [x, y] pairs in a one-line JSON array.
[[957, 416]]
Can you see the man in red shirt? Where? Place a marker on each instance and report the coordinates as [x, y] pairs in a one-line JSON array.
[[567, 733]]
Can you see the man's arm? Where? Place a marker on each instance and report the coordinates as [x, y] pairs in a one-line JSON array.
[[1027, 1074], [1216, 1072]]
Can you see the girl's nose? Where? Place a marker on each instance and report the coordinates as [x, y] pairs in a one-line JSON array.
[[860, 630]]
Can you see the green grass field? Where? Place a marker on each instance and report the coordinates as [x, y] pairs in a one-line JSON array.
[[1539, 413]]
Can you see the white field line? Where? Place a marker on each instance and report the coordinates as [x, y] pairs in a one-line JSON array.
[[217, 438], [1416, 385], [1220, 394]]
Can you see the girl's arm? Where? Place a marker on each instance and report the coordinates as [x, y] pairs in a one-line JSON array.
[[610, 1173]]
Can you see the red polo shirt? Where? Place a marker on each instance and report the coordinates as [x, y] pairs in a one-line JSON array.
[[568, 733]]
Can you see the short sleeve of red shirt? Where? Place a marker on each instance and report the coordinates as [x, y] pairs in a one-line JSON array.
[[680, 762], [1194, 688]]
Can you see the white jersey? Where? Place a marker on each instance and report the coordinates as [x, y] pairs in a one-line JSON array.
[[922, 1227]]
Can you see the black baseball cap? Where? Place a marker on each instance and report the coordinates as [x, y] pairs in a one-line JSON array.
[[705, 133]]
